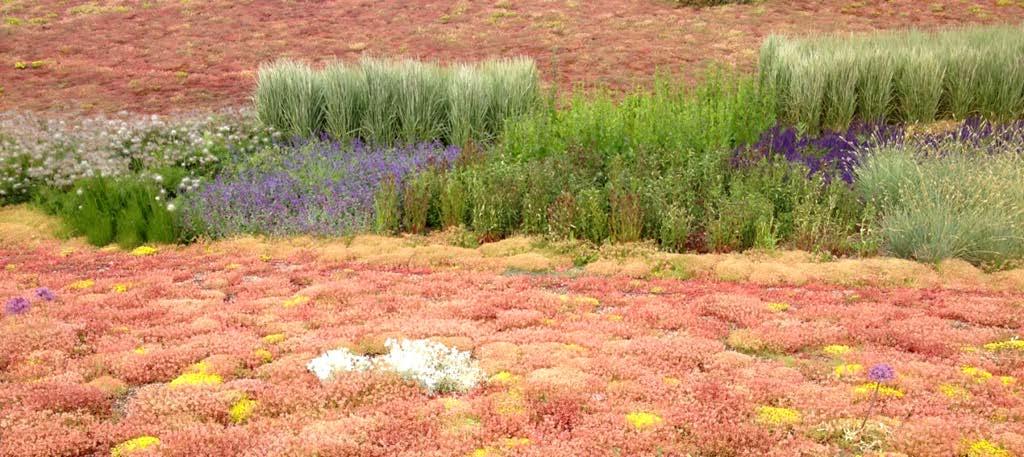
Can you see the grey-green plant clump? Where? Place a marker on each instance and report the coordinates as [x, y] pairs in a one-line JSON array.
[[909, 76], [387, 101]]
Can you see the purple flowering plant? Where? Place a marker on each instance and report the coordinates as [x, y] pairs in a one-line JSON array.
[[45, 294], [16, 305], [828, 155], [323, 188]]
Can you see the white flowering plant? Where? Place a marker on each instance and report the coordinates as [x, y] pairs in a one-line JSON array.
[[434, 366], [36, 151]]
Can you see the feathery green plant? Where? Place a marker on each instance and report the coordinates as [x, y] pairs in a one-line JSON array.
[[388, 101], [896, 76]]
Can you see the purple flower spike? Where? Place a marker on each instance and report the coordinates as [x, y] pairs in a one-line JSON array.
[[16, 305], [882, 372], [46, 294]]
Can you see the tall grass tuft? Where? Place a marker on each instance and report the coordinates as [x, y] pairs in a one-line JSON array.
[[290, 97], [469, 100], [951, 200], [345, 99], [387, 101], [896, 76]]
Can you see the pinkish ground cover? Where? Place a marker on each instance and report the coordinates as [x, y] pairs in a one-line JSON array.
[[197, 351]]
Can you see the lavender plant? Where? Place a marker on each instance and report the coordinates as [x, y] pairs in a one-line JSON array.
[[828, 155], [317, 188]]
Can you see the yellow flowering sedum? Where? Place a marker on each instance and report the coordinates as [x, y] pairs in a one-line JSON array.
[[144, 251], [242, 410], [778, 307], [836, 350], [883, 391], [197, 375], [848, 369], [1007, 380], [274, 338], [502, 377], [954, 392], [119, 288], [986, 448], [778, 417], [979, 375], [1009, 345], [83, 284], [134, 444], [295, 301], [641, 420], [264, 355]]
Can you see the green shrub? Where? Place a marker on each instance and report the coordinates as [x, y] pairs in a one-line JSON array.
[[128, 211], [453, 200], [959, 201], [591, 215], [387, 216], [388, 101], [495, 195], [625, 215], [417, 197], [672, 122], [900, 75], [676, 226]]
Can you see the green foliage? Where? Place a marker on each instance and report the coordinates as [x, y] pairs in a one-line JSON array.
[[386, 210], [417, 201], [452, 200], [388, 101], [959, 201], [904, 75], [670, 121], [290, 98], [495, 199], [128, 211]]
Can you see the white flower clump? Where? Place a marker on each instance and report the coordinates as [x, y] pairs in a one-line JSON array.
[[36, 150], [434, 366], [338, 360]]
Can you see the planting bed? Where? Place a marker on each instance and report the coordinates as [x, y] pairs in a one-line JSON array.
[[203, 350], [161, 56]]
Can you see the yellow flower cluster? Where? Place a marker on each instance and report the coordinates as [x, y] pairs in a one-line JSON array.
[[242, 410], [83, 284], [502, 377], [264, 355], [954, 392], [143, 251], [778, 417], [134, 444], [883, 391], [274, 338], [641, 420], [295, 301], [197, 375], [979, 375], [119, 288], [836, 350], [1008, 345], [986, 448], [848, 369], [777, 307]]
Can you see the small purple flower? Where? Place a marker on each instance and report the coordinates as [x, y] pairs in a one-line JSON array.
[[882, 372], [46, 294], [16, 305]]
